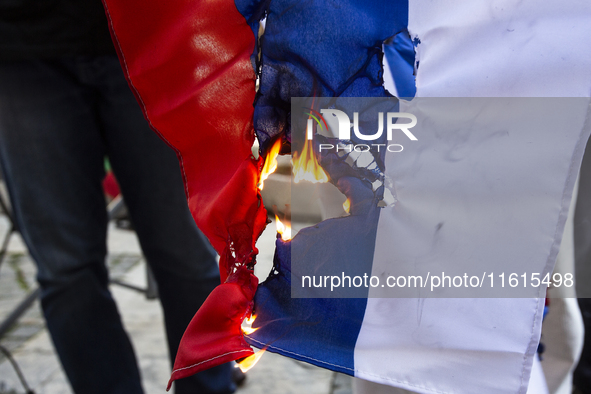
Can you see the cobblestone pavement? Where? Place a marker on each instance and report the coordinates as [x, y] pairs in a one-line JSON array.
[[31, 347]]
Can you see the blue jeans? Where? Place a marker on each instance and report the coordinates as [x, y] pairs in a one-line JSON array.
[[58, 120]]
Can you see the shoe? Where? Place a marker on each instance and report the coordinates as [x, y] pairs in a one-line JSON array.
[[238, 377]]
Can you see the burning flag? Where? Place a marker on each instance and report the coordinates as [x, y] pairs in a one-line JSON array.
[[190, 65], [196, 88]]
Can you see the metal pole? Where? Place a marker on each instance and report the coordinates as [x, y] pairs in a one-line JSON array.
[[18, 311]]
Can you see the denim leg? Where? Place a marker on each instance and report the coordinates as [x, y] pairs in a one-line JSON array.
[[181, 258], [52, 156]]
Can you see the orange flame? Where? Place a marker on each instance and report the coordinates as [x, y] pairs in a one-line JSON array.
[[283, 229], [250, 361], [247, 325], [347, 205], [248, 330], [270, 163], [306, 167]]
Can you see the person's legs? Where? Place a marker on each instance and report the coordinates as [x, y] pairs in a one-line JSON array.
[[52, 157], [182, 260]]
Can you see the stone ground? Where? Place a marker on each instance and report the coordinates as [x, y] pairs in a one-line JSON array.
[[31, 348]]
